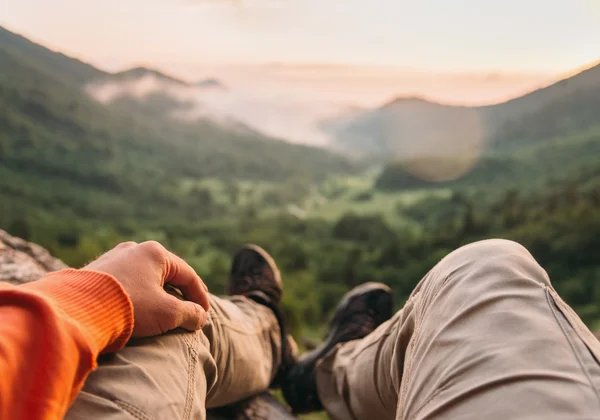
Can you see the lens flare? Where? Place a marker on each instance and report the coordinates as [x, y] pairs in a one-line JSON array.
[[431, 141]]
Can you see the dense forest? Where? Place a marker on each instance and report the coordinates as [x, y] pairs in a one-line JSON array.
[[77, 177]]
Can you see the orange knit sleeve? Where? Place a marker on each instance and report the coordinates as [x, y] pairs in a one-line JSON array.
[[51, 332]]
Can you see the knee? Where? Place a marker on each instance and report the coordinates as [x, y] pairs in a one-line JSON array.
[[493, 259], [493, 249]]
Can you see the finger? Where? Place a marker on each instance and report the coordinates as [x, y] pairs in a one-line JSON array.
[[184, 314], [180, 274]]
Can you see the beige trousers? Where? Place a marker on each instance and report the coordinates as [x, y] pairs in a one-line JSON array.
[[178, 375], [483, 336]]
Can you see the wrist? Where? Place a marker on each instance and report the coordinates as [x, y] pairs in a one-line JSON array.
[[95, 301]]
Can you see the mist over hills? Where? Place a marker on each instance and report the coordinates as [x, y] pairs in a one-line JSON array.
[[58, 145], [282, 116], [407, 127]]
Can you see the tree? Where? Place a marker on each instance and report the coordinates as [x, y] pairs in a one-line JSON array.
[[20, 228]]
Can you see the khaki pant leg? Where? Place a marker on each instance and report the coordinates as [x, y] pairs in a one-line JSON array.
[[178, 375], [483, 336]]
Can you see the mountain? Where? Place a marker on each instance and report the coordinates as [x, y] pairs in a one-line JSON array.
[[210, 84], [565, 108], [415, 127], [570, 87], [550, 135], [67, 70], [557, 143], [338, 121], [137, 73], [408, 127], [62, 150]]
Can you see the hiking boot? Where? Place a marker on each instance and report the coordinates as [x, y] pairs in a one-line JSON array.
[[255, 275], [360, 312]]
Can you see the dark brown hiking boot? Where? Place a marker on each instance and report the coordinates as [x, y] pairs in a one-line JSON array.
[[255, 275], [360, 312]]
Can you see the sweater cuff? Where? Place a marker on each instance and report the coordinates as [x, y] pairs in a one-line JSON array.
[[95, 301]]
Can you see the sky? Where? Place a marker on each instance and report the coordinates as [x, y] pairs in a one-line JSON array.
[[289, 64], [539, 36]]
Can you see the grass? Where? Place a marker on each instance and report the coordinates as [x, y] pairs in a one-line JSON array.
[[339, 196], [378, 203], [330, 201]]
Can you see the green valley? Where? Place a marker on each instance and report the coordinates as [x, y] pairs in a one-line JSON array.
[[78, 176]]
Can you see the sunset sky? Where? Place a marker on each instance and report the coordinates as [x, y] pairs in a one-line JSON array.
[[538, 35], [506, 46]]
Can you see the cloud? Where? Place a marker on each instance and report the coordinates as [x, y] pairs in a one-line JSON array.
[[272, 111], [291, 102]]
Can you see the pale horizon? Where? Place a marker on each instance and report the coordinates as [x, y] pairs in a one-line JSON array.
[[291, 64], [514, 36], [354, 84], [363, 53]]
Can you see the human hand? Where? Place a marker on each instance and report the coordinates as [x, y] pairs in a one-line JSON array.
[[143, 269]]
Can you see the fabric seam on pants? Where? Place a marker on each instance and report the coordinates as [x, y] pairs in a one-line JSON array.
[[569, 314], [246, 331], [435, 394], [553, 306], [377, 362], [416, 334], [191, 371], [132, 410], [407, 372]]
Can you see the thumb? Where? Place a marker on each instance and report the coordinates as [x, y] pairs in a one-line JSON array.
[[188, 315]]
